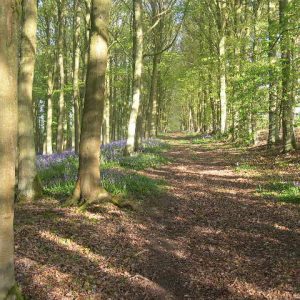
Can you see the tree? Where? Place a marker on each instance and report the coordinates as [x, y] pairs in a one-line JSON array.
[[287, 96], [76, 65], [61, 116], [272, 86], [8, 142], [221, 19], [138, 66], [88, 187], [28, 183]]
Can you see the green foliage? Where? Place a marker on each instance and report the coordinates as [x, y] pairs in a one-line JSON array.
[[282, 191], [116, 182], [244, 167], [163, 147], [15, 293], [201, 141], [143, 161], [132, 184], [59, 179]]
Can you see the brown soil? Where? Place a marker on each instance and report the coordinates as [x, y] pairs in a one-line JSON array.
[[208, 237]]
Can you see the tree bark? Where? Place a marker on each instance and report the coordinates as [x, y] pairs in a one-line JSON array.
[[223, 94], [222, 59], [76, 63], [50, 83], [272, 60], [138, 67], [50, 88], [61, 102], [153, 97], [28, 183], [8, 142], [287, 95], [106, 120], [88, 187]]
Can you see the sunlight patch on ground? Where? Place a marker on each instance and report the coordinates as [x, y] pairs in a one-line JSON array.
[[206, 230], [242, 288], [45, 276], [157, 291], [70, 245]]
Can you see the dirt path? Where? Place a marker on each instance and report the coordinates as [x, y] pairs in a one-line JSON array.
[[209, 237]]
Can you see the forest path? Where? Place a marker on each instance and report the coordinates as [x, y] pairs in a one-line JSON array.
[[207, 237], [220, 241]]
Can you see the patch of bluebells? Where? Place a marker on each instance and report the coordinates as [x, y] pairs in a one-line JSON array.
[[152, 143], [47, 161], [58, 172], [113, 151], [109, 152]]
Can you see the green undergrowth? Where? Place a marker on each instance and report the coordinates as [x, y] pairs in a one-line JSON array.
[[288, 192], [206, 140], [118, 177], [202, 141], [162, 148], [143, 161], [244, 167]]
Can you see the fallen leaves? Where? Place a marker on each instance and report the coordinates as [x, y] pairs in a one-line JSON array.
[[208, 237]]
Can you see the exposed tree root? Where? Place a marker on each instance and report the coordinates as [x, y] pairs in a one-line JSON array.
[[83, 200]]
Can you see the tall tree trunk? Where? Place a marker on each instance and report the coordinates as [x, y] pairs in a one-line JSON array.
[[88, 187], [287, 95], [272, 60], [111, 98], [86, 49], [50, 83], [138, 67], [223, 94], [153, 97], [76, 62], [8, 142], [50, 89], [28, 183], [222, 60], [61, 102], [106, 120]]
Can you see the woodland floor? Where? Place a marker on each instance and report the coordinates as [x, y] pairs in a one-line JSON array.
[[209, 236]]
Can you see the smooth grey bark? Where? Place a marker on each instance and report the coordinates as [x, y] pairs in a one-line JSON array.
[[106, 121], [106, 118], [272, 87], [8, 142], [87, 25], [28, 183], [137, 77], [50, 83], [287, 95], [153, 96], [76, 64], [222, 61], [88, 187], [50, 88], [61, 102]]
